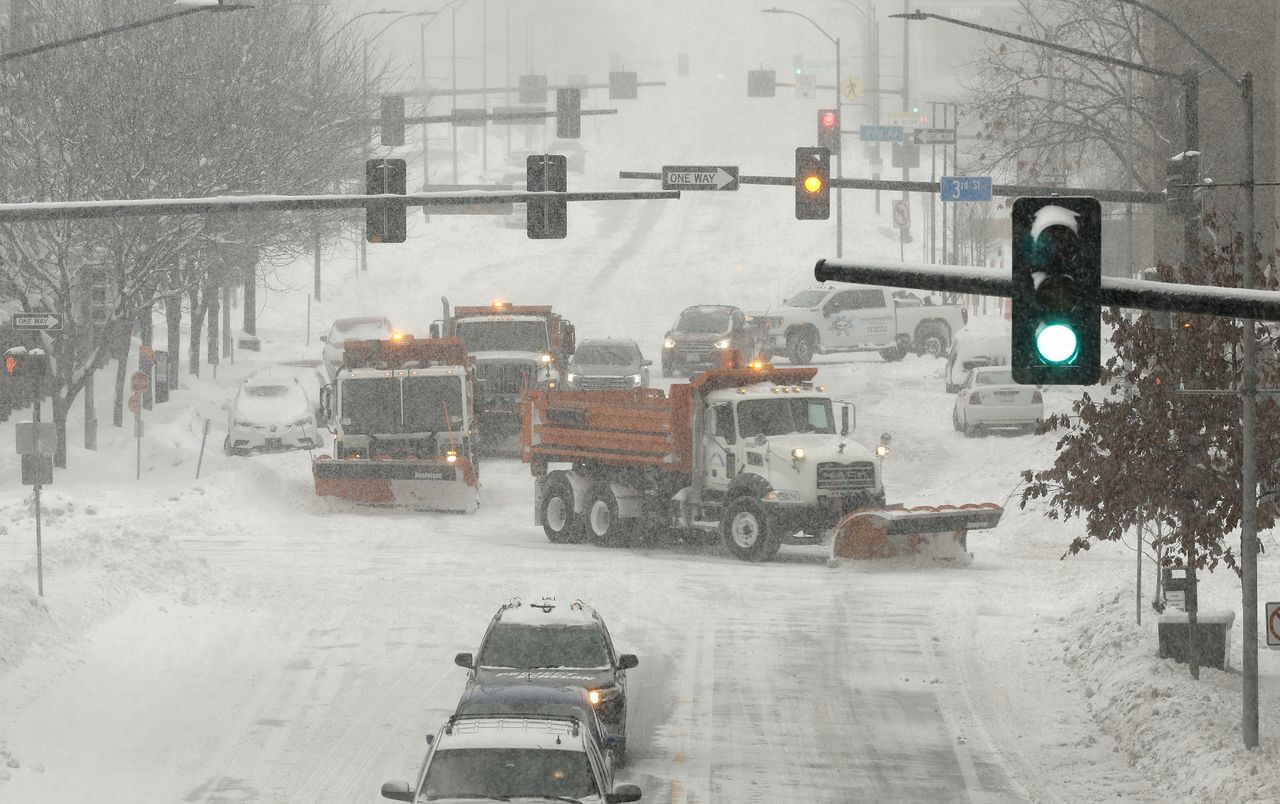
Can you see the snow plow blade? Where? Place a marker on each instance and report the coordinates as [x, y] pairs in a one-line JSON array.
[[420, 485], [924, 532]]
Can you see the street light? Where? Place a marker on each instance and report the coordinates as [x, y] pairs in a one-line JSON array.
[[835, 40], [186, 7], [1249, 378]]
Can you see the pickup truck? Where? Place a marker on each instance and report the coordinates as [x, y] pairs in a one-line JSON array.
[[857, 318]]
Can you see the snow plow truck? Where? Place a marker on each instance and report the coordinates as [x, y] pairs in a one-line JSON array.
[[516, 348], [756, 455], [403, 419]]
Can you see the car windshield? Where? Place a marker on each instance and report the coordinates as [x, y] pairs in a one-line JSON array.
[[806, 298], [703, 321], [607, 354], [780, 416], [528, 646], [994, 378], [503, 336], [370, 405], [508, 773], [432, 404]]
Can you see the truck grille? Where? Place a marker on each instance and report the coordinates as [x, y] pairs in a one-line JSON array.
[[846, 476], [603, 383], [505, 378]]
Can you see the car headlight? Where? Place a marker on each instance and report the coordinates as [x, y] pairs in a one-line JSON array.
[[635, 380], [603, 695], [571, 378], [668, 342], [723, 343]]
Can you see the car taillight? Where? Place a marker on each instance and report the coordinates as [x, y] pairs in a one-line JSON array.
[[1036, 398], [975, 398]]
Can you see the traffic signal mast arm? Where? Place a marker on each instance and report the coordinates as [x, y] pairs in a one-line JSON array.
[[84, 210], [1139, 294]]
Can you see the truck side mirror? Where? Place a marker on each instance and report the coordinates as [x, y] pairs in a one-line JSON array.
[[846, 419], [570, 338], [326, 401], [434, 329]]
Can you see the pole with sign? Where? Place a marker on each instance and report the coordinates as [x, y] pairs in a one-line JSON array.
[[139, 382]]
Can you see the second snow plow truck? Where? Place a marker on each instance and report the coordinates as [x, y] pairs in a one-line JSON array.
[[403, 426], [756, 454], [517, 348]]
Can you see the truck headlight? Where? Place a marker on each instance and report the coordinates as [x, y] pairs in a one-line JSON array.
[[451, 457], [603, 695], [546, 358], [882, 450], [668, 342], [782, 496], [571, 378], [798, 453], [723, 343], [635, 380]]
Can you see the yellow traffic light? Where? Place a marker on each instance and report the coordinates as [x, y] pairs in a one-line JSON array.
[[813, 184]]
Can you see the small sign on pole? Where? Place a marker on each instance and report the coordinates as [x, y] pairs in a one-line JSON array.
[[965, 188], [700, 177], [901, 213], [1273, 626]]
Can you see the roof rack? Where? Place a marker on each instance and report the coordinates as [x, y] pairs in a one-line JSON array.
[[573, 722]]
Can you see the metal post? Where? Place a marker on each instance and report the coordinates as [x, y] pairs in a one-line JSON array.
[[35, 422], [839, 164], [426, 104], [137, 435], [906, 78], [453, 58], [316, 251], [933, 197], [364, 221], [875, 96], [90, 415], [484, 80], [955, 171], [1249, 479]]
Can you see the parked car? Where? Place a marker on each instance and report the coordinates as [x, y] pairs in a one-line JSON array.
[[604, 363], [352, 329], [551, 644], [510, 758], [310, 374], [271, 414], [701, 334], [988, 346], [989, 399], [527, 700]]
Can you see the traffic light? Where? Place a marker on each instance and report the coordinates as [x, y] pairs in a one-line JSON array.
[[385, 223], [547, 218], [813, 184], [622, 85], [12, 365], [829, 130], [392, 128], [569, 113], [1057, 273], [799, 64], [1182, 172], [761, 84]]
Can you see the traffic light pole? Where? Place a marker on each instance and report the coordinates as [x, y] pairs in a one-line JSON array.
[[38, 375], [839, 164]]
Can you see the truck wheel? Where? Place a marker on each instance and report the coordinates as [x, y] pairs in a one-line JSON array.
[[603, 524], [559, 521], [932, 341], [800, 348], [748, 532]]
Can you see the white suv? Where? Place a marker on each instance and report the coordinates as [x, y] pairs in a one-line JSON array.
[[509, 757]]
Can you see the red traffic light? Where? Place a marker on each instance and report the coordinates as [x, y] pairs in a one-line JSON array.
[[827, 119]]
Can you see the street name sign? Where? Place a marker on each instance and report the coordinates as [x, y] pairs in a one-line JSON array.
[[42, 321], [881, 133], [935, 136], [965, 188], [702, 177]]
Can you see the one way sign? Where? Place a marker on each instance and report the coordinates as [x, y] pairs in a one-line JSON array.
[[685, 177]]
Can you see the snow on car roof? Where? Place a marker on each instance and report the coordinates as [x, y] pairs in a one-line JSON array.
[[550, 734], [533, 613]]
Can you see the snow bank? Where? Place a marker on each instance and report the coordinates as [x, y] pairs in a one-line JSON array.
[[89, 577], [1179, 731]]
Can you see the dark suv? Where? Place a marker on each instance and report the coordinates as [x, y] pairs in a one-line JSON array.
[[702, 334], [549, 644]]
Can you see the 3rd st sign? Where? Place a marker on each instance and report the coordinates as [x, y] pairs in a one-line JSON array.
[[702, 177]]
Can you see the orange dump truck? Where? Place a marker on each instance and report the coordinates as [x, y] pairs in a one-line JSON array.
[[403, 419], [757, 455]]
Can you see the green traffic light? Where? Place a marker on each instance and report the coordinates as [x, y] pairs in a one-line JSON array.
[[1057, 344]]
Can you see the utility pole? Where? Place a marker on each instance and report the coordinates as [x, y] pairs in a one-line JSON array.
[[906, 79], [453, 58]]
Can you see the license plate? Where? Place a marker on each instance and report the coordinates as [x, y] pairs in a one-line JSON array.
[[1006, 396], [274, 443]]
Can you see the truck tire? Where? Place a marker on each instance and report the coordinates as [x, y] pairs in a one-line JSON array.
[[932, 339], [600, 514], [748, 531], [559, 521], [800, 347]]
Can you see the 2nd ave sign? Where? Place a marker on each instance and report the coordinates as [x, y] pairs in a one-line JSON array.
[[684, 177], [37, 321]]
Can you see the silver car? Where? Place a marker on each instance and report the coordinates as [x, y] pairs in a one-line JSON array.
[[602, 363], [351, 329], [271, 414], [989, 399]]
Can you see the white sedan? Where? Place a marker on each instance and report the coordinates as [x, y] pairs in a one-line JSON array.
[[271, 414], [990, 399]]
